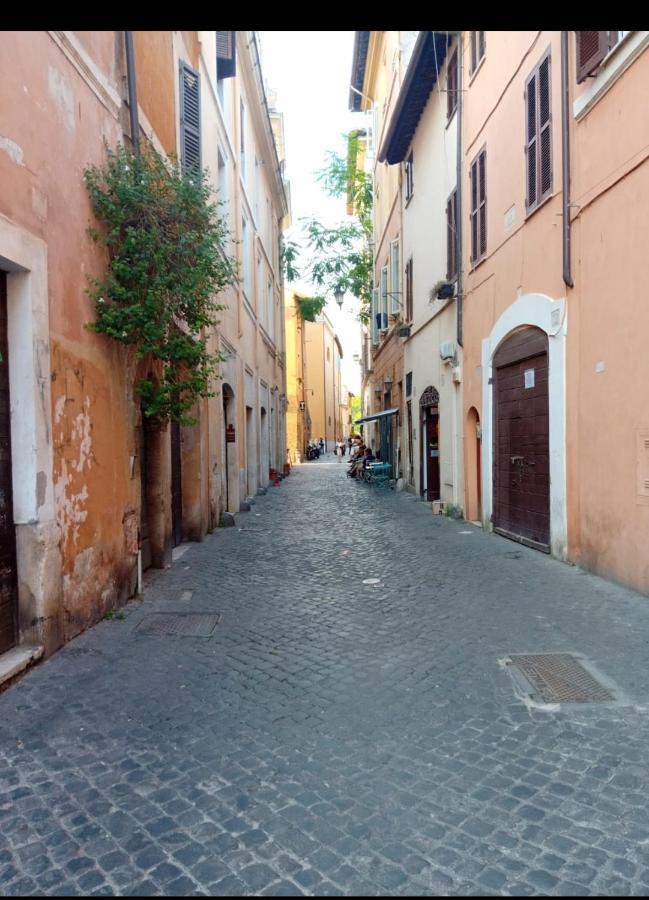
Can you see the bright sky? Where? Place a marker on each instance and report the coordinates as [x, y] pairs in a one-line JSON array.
[[311, 71]]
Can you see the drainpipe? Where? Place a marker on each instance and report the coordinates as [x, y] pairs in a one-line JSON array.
[[458, 188], [132, 92], [565, 158]]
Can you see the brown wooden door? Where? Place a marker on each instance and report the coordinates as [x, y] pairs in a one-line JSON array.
[[8, 581], [431, 449], [176, 486], [521, 440]]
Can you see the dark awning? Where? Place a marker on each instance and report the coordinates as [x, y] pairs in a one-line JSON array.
[[361, 43], [380, 415], [427, 57]]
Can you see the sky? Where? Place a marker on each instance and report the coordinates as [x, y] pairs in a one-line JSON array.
[[310, 71]]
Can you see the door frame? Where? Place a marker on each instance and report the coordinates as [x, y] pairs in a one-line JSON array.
[[428, 400], [549, 316]]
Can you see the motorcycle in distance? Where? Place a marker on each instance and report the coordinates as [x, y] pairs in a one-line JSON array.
[[312, 450]]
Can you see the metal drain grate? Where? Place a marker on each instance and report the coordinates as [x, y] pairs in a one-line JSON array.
[[186, 624], [560, 678]]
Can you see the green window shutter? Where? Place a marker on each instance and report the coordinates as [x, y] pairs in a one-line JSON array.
[[375, 314], [384, 298], [395, 304], [190, 119]]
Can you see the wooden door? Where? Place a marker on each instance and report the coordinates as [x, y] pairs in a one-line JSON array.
[[521, 440], [431, 448], [176, 486], [8, 580]]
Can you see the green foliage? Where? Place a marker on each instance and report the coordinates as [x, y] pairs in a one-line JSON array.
[[339, 256], [356, 409], [310, 307], [166, 265], [290, 252], [115, 614]]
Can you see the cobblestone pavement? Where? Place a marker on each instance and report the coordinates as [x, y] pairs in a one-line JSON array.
[[331, 736]]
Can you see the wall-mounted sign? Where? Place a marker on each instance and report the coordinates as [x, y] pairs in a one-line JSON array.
[[230, 435]]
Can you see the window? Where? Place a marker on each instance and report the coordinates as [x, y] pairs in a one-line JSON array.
[[245, 251], [538, 139], [478, 206], [256, 198], [451, 237], [375, 315], [395, 302], [190, 119], [226, 62], [409, 290], [328, 358], [383, 322], [242, 126], [410, 185], [222, 177], [408, 384], [477, 50], [270, 315], [592, 48], [451, 85]]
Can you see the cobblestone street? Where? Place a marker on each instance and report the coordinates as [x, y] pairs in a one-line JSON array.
[[331, 736]]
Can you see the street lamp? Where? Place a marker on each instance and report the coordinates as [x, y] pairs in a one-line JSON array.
[[339, 296]]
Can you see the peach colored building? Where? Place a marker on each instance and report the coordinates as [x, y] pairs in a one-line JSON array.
[[322, 355], [555, 213], [88, 493]]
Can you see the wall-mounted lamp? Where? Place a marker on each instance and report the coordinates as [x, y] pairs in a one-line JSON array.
[[388, 381], [339, 296]]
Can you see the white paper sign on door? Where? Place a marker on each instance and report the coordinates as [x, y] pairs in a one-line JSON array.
[[529, 378]]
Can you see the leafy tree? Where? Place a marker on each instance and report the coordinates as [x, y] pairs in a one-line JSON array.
[[166, 265]]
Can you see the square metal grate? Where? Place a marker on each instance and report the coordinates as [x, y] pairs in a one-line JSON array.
[[185, 624], [560, 678]]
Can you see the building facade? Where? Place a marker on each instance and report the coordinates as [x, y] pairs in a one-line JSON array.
[[90, 492]]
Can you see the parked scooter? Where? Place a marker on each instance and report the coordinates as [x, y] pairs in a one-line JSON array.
[[312, 450]]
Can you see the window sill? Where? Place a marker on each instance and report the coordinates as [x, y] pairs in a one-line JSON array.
[[530, 212], [612, 67], [408, 199], [474, 265], [450, 118], [473, 74]]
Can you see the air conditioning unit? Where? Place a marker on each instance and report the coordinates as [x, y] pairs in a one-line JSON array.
[[447, 350]]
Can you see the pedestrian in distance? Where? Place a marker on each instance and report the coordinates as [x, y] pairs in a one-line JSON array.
[[340, 450], [321, 446]]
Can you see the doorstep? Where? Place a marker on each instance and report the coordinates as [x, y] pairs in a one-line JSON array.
[[16, 660]]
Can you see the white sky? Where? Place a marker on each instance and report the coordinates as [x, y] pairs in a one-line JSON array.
[[311, 71]]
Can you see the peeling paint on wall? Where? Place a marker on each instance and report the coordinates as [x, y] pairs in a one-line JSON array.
[[13, 151], [61, 92]]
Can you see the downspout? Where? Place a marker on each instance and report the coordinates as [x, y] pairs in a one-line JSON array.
[[459, 217], [132, 92], [565, 159]]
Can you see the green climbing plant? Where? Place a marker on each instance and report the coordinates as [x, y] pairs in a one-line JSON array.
[[166, 265]]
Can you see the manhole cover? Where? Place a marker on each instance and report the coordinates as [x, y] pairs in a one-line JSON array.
[[560, 678], [187, 624]]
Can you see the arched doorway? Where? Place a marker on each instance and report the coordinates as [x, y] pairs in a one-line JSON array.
[[429, 429], [229, 451], [521, 474], [473, 449]]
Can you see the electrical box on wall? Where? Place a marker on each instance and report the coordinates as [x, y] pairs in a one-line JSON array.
[[447, 350]]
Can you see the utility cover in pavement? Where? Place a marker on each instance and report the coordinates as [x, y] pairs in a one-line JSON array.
[[186, 624], [560, 678]]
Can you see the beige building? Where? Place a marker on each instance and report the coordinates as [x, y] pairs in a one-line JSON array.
[[323, 352], [298, 423]]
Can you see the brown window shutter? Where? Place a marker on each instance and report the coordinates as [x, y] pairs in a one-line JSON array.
[[190, 119], [474, 210], [592, 47], [531, 140], [451, 85], [545, 142], [481, 45], [474, 50], [482, 168], [449, 239], [226, 61]]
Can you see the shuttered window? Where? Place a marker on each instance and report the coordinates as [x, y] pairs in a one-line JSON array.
[[477, 49], [383, 322], [478, 175], [451, 237], [190, 119], [409, 290], [395, 270], [451, 85], [538, 146], [410, 185], [226, 61], [592, 47], [375, 315]]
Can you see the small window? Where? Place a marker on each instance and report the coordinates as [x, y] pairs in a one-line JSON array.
[[410, 184], [478, 174], [451, 85], [451, 237], [226, 63], [383, 321], [395, 271], [408, 384], [242, 142], [375, 317], [328, 355], [190, 119], [538, 138], [409, 290], [477, 49]]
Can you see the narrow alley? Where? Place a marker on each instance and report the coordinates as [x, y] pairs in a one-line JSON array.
[[346, 727]]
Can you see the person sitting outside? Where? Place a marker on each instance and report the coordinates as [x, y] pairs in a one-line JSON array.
[[357, 462]]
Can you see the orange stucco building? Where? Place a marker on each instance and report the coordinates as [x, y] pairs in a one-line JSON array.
[[89, 493]]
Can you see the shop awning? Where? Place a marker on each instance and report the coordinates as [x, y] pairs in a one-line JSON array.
[[379, 415]]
